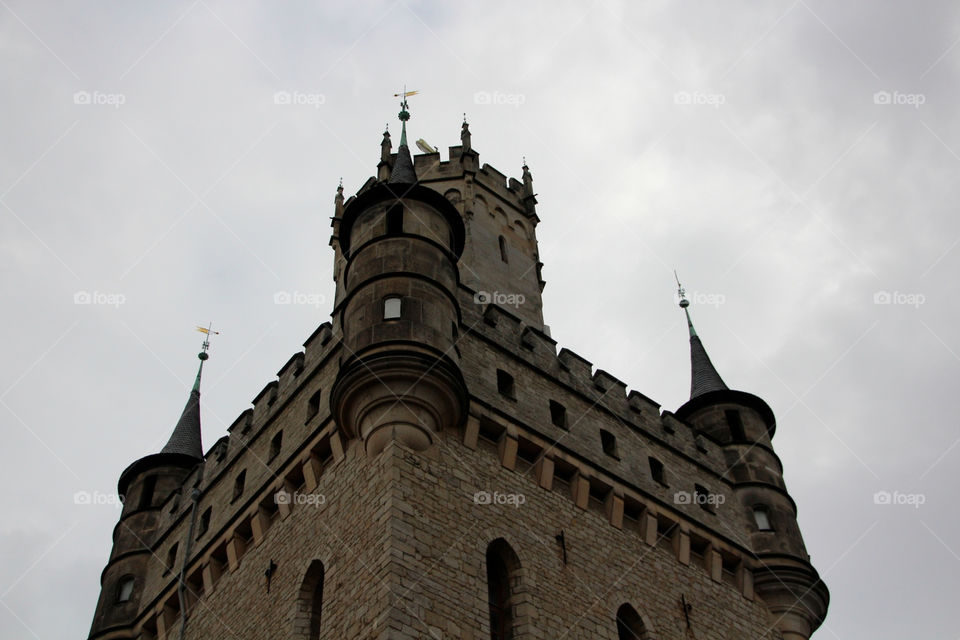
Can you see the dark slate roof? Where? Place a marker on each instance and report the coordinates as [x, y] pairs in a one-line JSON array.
[[185, 439], [703, 376], [403, 172]]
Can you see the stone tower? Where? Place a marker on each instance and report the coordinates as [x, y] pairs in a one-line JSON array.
[[431, 466]]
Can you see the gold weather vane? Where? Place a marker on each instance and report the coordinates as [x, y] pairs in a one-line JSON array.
[[207, 331]]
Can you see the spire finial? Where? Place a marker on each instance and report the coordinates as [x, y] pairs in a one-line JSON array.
[[404, 115], [684, 303], [186, 439], [703, 376]]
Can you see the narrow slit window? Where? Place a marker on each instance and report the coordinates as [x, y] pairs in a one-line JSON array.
[[503, 249], [313, 405], [275, 445], [238, 483], [172, 556], [505, 383], [737, 433], [146, 493], [204, 522], [558, 414], [656, 471], [392, 308], [395, 220], [609, 443]]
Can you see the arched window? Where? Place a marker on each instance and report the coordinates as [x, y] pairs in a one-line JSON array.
[[503, 586], [503, 249], [306, 623], [630, 625]]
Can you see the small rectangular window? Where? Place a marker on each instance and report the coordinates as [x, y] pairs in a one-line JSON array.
[[395, 220], [762, 518], [505, 383], [146, 492], [125, 589], [703, 497], [392, 308], [609, 443], [313, 405], [204, 522], [737, 434], [558, 414], [172, 556], [275, 445], [238, 484], [656, 471]]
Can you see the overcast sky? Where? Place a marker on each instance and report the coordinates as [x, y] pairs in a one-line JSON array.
[[796, 162]]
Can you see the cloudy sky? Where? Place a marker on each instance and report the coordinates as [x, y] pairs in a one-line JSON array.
[[796, 162]]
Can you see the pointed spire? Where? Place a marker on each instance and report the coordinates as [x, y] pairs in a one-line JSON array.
[[403, 172], [703, 375], [186, 439]]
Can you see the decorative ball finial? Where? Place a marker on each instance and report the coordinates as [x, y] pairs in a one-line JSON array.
[[681, 293]]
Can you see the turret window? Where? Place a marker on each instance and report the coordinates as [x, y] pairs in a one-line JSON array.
[[392, 308], [125, 589], [737, 434], [146, 492], [762, 517], [395, 220]]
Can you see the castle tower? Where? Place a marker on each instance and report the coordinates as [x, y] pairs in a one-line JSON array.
[[144, 487], [398, 311], [744, 425], [432, 465]]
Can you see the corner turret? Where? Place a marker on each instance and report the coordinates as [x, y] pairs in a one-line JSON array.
[[744, 425], [400, 378], [144, 487]]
